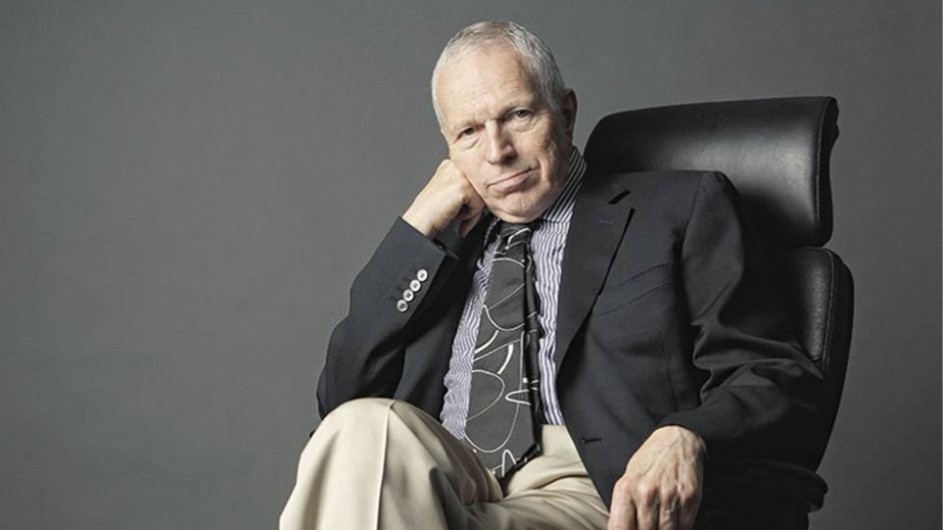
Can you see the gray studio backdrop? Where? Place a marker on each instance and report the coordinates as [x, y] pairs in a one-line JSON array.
[[189, 187]]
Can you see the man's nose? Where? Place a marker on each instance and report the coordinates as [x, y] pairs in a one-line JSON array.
[[500, 145]]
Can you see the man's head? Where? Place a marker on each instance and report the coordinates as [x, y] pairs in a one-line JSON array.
[[506, 117]]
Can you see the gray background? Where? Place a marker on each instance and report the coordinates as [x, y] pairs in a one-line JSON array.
[[189, 187]]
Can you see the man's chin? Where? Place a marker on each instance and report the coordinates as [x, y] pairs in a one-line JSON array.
[[524, 206], [517, 215]]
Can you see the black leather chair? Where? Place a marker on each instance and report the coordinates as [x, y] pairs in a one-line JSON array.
[[776, 153]]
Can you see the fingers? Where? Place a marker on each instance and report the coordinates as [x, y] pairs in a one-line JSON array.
[[638, 507], [635, 510], [687, 513], [622, 509], [668, 516], [469, 223], [470, 213], [647, 507], [661, 487], [447, 196]]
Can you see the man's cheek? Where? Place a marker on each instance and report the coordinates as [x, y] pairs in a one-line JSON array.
[[477, 183]]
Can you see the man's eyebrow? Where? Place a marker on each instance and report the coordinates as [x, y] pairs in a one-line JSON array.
[[464, 124], [532, 103], [458, 128]]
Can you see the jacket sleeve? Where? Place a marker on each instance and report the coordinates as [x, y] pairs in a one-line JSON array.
[[365, 352], [760, 395]]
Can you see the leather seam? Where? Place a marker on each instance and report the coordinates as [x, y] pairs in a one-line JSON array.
[[823, 112], [829, 328]]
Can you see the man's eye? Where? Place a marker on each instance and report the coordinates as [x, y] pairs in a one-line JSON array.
[[464, 133], [521, 113]]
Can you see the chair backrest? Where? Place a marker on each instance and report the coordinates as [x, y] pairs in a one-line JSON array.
[[776, 153]]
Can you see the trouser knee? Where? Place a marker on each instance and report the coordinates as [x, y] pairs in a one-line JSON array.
[[356, 415], [368, 407]]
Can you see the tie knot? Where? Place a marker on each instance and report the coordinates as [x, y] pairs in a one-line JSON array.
[[515, 230], [515, 233]]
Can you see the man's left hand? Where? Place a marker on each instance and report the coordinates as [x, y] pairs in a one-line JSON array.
[[661, 487]]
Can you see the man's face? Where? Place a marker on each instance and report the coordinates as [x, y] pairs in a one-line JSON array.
[[506, 140]]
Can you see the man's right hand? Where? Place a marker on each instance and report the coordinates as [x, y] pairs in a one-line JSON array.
[[448, 196]]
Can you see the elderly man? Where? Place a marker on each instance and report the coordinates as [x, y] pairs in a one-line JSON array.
[[538, 344]]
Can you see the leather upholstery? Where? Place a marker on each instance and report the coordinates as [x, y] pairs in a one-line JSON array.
[[776, 152], [819, 290]]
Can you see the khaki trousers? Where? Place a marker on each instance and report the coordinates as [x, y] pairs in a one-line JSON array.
[[379, 463]]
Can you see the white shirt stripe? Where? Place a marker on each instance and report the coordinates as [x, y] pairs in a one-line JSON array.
[[547, 247]]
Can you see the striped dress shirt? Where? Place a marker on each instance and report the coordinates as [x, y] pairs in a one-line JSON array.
[[547, 246]]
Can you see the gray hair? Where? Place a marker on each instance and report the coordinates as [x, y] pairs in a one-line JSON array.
[[535, 55]]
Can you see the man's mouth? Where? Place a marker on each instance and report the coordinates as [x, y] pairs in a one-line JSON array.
[[512, 182]]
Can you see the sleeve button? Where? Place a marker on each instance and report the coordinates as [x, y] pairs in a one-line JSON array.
[[408, 295], [401, 306], [415, 285], [422, 275]]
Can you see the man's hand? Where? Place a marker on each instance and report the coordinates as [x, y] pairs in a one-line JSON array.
[[661, 487], [448, 195]]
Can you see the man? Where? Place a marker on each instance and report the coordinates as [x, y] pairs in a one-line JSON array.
[[649, 339]]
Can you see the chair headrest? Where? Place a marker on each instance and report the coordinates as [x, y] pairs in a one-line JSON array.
[[775, 151]]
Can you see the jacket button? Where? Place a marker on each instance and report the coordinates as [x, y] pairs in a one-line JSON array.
[[422, 275], [401, 306], [415, 285], [408, 295]]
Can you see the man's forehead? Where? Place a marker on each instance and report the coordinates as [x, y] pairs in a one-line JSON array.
[[482, 78], [485, 57]]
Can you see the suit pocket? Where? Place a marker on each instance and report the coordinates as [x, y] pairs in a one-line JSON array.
[[632, 289]]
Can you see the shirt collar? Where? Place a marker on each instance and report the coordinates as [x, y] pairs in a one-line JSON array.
[[562, 208]]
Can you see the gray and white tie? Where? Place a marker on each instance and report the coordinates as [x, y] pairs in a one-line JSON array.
[[503, 405]]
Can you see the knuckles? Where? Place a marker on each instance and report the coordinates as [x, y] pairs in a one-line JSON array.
[[622, 489], [688, 493], [650, 492], [647, 492]]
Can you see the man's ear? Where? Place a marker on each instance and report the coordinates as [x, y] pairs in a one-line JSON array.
[[568, 110]]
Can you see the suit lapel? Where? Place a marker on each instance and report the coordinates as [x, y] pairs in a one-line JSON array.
[[600, 217]]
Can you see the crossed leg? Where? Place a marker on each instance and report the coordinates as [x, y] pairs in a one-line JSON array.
[[379, 463]]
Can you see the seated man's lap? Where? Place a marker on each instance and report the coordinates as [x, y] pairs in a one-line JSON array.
[[426, 469]]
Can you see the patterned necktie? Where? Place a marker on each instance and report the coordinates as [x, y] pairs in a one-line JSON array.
[[503, 407]]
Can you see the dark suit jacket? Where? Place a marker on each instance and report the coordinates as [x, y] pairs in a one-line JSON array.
[[668, 315]]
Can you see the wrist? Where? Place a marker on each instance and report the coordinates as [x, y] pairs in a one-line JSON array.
[[690, 438], [416, 221]]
